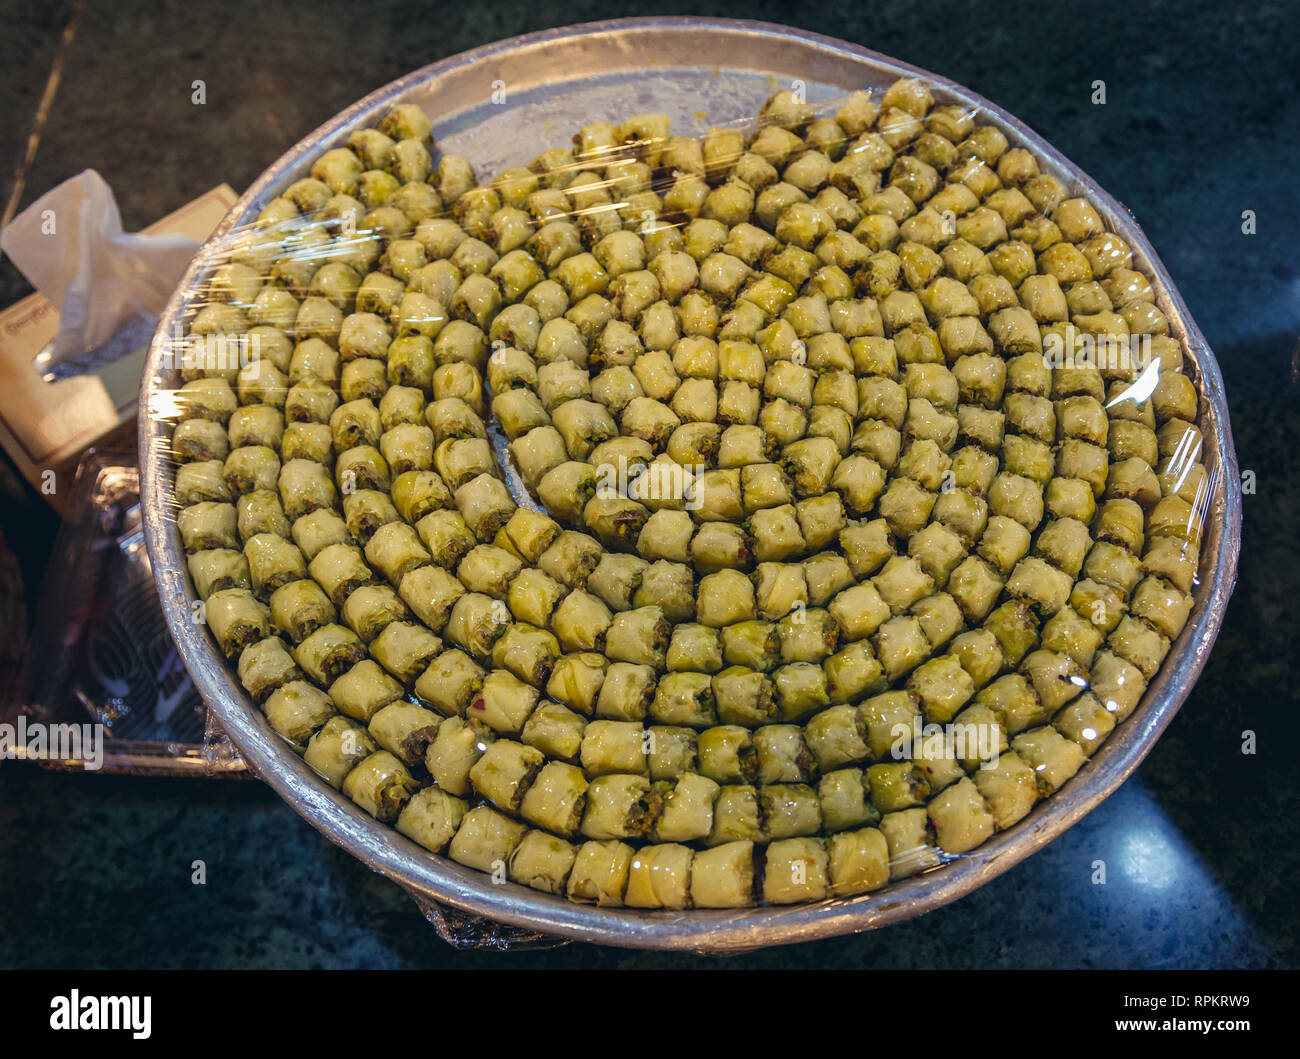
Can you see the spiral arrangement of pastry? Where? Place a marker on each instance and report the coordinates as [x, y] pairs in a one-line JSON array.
[[864, 494]]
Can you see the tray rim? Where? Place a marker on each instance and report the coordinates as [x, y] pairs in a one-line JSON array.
[[433, 880]]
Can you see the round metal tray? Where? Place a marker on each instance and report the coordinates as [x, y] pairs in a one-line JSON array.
[[553, 83]]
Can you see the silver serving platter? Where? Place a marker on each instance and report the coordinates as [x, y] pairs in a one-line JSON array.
[[554, 82]]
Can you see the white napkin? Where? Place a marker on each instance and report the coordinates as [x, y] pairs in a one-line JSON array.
[[70, 245]]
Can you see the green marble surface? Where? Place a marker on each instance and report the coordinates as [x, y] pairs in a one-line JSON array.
[[1200, 123]]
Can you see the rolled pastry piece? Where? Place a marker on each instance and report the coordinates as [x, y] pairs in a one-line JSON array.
[[671, 751], [528, 652], [405, 730], [260, 512], [337, 748], [911, 843], [476, 623], [273, 562], [960, 817], [364, 690], [660, 877], [416, 493], [737, 815], [684, 699], [315, 532], [600, 873], [844, 800], [236, 619], [485, 840], [456, 746], [639, 636], [328, 653], [688, 809], [626, 693], [367, 510], [489, 570], [503, 703], [505, 772], [555, 730], [556, 799], [305, 485], [381, 785], [265, 666], [743, 696], [723, 877], [394, 550], [542, 862], [789, 810], [431, 818], [576, 680], [218, 569], [783, 755], [620, 806], [296, 710], [450, 682], [199, 441], [206, 525], [533, 596], [795, 871], [405, 649], [858, 861], [369, 609]]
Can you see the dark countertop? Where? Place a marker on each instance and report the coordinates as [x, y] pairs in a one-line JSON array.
[[1200, 123]]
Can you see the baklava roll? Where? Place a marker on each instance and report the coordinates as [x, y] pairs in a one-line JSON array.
[[542, 862], [416, 493], [260, 512], [858, 862], [202, 481], [273, 562], [305, 485], [576, 680], [236, 619], [370, 608], [639, 636], [265, 666], [297, 710], [405, 730], [660, 877], [796, 870], [723, 877], [208, 525], [337, 748], [621, 806], [744, 696], [340, 570], [364, 690], [366, 511], [446, 536], [506, 772], [476, 623], [381, 785], [405, 649], [600, 873], [328, 653], [485, 840], [199, 441], [450, 682], [431, 817]]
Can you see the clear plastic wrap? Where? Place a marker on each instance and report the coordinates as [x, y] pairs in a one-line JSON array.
[[101, 660], [681, 523]]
